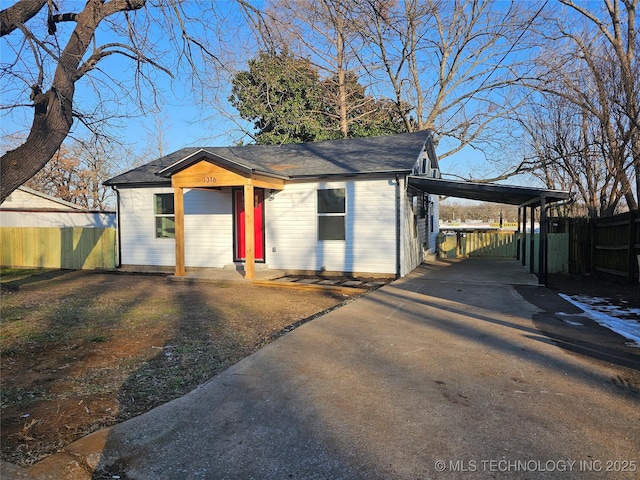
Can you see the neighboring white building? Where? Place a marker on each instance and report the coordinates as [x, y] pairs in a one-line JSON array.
[[341, 206], [26, 207]]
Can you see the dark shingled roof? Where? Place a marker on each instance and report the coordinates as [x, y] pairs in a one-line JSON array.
[[388, 154]]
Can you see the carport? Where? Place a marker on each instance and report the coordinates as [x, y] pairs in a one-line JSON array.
[[523, 197]]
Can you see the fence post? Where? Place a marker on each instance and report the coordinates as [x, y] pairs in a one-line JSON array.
[[592, 246], [632, 246]]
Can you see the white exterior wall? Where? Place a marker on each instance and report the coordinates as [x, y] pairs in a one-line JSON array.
[[57, 219], [24, 199], [292, 228], [208, 226], [435, 211], [427, 236], [138, 245], [25, 209], [417, 237], [207, 222]]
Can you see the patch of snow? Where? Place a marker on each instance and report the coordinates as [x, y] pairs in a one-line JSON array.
[[570, 322], [621, 320]]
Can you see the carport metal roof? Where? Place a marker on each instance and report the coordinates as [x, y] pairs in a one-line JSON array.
[[524, 197], [488, 192]]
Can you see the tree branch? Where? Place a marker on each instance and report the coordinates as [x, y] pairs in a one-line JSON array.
[[19, 13]]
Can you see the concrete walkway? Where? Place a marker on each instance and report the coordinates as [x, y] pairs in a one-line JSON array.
[[442, 374]]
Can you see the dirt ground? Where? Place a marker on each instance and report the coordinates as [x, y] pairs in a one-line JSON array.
[[620, 294], [82, 350]]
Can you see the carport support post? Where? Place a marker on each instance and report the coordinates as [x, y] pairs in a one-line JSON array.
[[178, 211], [542, 251], [532, 239], [522, 255], [249, 233]]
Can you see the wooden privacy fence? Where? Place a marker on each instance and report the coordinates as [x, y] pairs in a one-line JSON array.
[[74, 248], [557, 252], [477, 244], [504, 245], [605, 247]]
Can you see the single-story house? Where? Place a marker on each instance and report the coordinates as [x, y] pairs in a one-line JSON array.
[[26, 207], [339, 206]]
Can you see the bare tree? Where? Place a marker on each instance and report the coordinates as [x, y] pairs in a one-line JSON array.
[[569, 154], [77, 170], [451, 66], [53, 50], [591, 78]]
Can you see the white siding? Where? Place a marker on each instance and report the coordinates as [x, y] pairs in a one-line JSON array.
[[25, 199], [428, 237], [57, 219], [208, 224], [137, 230], [292, 228], [435, 212], [208, 229], [25, 209]]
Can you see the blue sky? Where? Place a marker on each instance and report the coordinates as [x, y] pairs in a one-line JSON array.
[[184, 121]]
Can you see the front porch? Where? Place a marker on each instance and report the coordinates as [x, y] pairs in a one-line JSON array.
[[235, 273], [205, 171]]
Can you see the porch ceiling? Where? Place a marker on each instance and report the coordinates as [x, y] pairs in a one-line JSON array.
[[488, 192]]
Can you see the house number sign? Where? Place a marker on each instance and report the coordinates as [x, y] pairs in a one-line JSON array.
[[209, 179]]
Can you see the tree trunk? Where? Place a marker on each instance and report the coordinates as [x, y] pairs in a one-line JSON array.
[[51, 124], [53, 115]]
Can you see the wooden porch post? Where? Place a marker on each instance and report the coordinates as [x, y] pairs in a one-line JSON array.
[[249, 233], [178, 211]]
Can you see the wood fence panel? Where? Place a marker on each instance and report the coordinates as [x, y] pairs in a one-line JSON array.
[[74, 248], [606, 247], [478, 244], [446, 246], [491, 244], [558, 253]]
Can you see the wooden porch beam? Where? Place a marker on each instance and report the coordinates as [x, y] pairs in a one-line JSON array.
[[178, 211], [249, 233]]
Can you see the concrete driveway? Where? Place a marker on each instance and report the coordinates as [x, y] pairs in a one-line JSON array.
[[442, 374]]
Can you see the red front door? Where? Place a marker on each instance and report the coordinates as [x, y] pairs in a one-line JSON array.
[[258, 224]]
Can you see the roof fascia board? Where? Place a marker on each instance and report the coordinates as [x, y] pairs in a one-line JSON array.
[[320, 176], [200, 154], [204, 154], [161, 183], [557, 196]]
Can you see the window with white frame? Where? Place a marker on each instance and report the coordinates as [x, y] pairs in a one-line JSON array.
[[331, 214], [164, 215]]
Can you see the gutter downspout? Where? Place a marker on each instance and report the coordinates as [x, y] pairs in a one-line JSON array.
[[398, 270], [118, 242]]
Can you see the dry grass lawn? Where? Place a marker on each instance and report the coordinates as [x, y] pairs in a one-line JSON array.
[[84, 350]]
